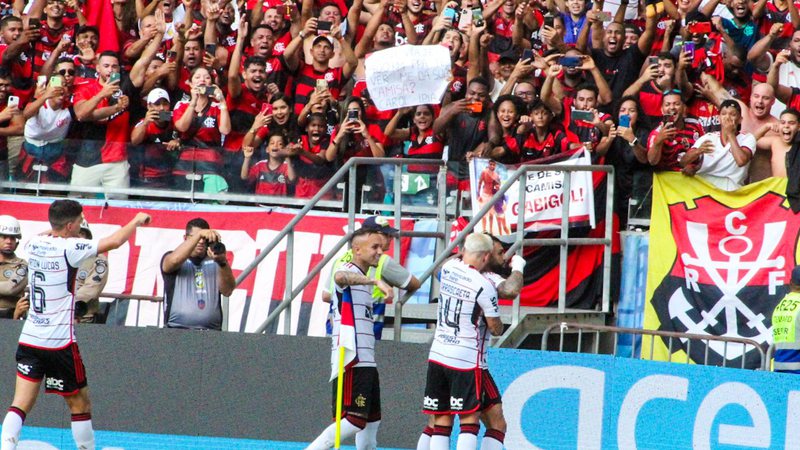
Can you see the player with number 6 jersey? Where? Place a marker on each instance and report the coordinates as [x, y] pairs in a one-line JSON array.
[[47, 351], [53, 263]]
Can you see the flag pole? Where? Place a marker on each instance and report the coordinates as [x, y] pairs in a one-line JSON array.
[[339, 399]]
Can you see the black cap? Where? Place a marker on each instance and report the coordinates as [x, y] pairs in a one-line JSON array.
[[509, 55], [379, 224]]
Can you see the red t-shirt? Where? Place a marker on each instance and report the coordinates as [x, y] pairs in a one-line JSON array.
[[114, 132], [204, 129], [672, 149], [268, 181]]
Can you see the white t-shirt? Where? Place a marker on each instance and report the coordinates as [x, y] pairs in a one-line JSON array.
[[48, 125], [53, 263], [720, 167], [465, 296], [788, 75]]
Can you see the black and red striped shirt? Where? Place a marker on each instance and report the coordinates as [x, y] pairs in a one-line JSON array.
[[306, 82], [671, 150]]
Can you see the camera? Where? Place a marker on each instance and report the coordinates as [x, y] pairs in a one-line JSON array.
[[217, 248]]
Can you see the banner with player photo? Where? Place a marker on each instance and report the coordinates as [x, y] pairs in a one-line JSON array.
[[545, 194], [720, 263], [134, 268]]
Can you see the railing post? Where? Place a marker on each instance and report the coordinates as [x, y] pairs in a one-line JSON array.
[[607, 249], [397, 188], [564, 253], [521, 184], [287, 296], [351, 199]]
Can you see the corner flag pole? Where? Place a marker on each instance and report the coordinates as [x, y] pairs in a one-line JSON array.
[[339, 399]]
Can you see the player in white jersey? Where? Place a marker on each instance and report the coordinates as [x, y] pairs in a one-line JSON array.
[[468, 311], [361, 403], [47, 349], [491, 401]]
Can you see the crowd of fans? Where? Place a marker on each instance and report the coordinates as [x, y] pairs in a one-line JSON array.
[[270, 97]]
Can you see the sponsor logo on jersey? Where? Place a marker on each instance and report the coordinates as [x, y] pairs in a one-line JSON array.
[[54, 383], [456, 404], [81, 246]]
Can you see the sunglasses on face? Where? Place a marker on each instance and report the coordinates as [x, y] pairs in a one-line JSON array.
[[65, 72]]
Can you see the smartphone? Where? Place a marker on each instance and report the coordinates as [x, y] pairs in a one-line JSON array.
[[34, 22], [41, 80], [266, 108], [527, 54], [211, 49], [465, 20], [476, 107], [449, 13], [604, 16], [210, 91], [322, 84], [56, 82], [652, 61], [477, 17], [586, 116], [13, 101], [689, 47], [165, 116], [625, 121], [352, 115], [172, 55], [324, 27], [570, 61], [549, 21], [700, 28], [114, 77]]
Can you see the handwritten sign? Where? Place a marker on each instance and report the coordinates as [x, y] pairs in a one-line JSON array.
[[408, 75]]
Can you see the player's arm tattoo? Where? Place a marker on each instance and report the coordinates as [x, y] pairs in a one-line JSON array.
[[345, 278], [511, 287]]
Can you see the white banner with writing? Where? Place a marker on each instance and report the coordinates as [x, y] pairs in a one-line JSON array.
[[543, 198], [408, 75]]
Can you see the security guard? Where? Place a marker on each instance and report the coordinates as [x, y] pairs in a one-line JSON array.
[[786, 328], [90, 282], [13, 271]]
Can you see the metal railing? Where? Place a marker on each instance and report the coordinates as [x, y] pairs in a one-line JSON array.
[[349, 168], [670, 336], [564, 241]]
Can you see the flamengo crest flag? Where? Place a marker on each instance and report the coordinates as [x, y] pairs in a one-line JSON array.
[[719, 263], [347, 334]]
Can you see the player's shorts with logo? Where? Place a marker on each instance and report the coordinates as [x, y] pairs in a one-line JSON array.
[[361, 393], [451, 391], [62, 370]]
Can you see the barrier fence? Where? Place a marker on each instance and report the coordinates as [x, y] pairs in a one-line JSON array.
[[738, 346]]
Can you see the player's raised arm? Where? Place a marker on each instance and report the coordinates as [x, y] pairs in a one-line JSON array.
[[121, 236]]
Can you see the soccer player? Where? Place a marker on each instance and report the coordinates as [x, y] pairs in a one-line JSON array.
[[467, 311], [47, 348], [491, 401], [362, 404]]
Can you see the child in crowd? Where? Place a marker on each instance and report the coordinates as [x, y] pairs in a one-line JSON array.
[[273, 175]]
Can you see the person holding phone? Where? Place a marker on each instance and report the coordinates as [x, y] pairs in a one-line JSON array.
[[46, 127], [353, 137], [628, 154], [662, 73], [201, 122], [674, 136], [157, 143], [274, 116], [11, 122], [103, 156], [321, 66]]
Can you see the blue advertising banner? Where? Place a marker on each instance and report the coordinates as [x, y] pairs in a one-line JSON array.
[[567, 401]]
